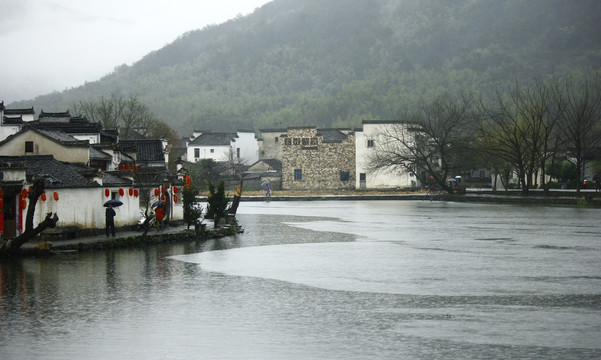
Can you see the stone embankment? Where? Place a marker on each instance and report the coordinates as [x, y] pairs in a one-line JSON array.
[[175, 233], [586, 198]]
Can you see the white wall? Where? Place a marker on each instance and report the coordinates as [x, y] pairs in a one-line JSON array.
[[387, 178], [8, 130], [84, 208], [218, 153], [249, 147]]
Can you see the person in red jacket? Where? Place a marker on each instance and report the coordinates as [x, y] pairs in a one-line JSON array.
[[160, 215]]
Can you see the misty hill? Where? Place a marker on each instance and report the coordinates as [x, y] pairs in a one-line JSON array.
[[336, 62]]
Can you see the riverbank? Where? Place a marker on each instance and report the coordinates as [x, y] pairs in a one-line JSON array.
[[585, 198], [127, 238], [178, 232]]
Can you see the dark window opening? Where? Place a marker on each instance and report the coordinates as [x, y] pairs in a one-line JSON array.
[[345, 176]]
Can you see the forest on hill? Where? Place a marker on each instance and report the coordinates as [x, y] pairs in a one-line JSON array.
[[335, 63]]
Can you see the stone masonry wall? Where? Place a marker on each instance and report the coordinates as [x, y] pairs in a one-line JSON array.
[[321, 163]]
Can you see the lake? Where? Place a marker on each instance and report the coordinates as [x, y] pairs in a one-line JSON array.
[[325, 280]]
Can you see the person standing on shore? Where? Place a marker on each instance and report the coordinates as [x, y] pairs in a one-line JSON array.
[[110, 220], [159, 215]]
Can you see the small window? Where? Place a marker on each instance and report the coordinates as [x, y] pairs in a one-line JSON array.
[[238, 153], [29, 146], [298, 174], [276, 139], [314, 141], [296, 141], [344, 176], [196, 153], [305, 141], [212, 151], [287, 141], [370, 143]]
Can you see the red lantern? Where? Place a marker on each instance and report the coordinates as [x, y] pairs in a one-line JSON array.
[[131, 192], [23, 204], [55, 196], [188, 180], [162, 189], [24, 193], [121, 192], [107, 192], [156, 192], [136, 193], [174, 198], [175, 190], [43, 196]]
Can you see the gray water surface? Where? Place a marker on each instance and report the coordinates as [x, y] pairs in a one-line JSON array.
[[325, 280]]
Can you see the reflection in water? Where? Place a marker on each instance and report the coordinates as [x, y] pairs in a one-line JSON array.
[[324, 280]]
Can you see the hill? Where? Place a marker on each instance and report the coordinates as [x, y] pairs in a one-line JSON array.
[[333, 63]]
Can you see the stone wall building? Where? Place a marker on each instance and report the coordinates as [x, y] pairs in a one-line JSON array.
[[318, 159]]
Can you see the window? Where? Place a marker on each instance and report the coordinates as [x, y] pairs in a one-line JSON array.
[[344, 176], [29, 146], [276, 139], [298, 174], [370, 143], [287, 141], [238, 153], [314, 141], [212, 151], [296, 141], [196, 153], [305, 141]]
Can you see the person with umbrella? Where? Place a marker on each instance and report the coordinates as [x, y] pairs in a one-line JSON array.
[[110, 216], [267, 186]]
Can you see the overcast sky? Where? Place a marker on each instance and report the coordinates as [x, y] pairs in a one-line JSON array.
[[52, 45]]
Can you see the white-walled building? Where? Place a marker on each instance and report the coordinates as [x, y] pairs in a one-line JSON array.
[[270, 143], [241, 146], [367, 141]]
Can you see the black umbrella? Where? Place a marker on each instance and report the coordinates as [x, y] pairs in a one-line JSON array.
[[113, 203]]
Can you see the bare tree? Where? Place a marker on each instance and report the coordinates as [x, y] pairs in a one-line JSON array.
[[579, 100], [504, 135], [428, 142], [12, 246], [537, 111], [126, 114]]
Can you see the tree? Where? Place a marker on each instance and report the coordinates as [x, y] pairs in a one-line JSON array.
[[217, 202], [579, 100], [129, 115], [203, 172], [428, 143], [536, 110], [12, 246], [192, 211], [503, 132]]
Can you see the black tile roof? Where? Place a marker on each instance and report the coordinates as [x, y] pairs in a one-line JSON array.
[[99, 155], [71, 125], [145, 150], [214, 139], [28, 111], [13, 120], [56, 173], [58, 136], [331, 135], [113, 179]]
